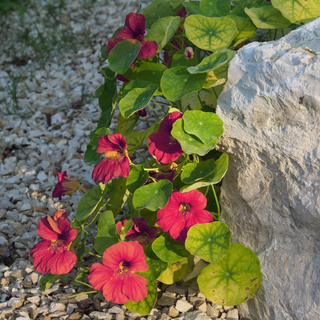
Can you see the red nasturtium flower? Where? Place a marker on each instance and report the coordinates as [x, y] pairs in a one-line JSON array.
[[55, 254], [64, 186], [117, 277], [182, 212], [162, 144], [116, 163], [134, 32]]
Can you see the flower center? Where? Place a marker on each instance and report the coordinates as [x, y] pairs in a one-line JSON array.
[[124, 266], [172, 140], [116, 154], [56, 246], [184, 208]]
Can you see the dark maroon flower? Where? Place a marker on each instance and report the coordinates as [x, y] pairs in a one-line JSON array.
[[114, 147], [134, 32], [182, 212], [121, 78], [162, 174], [162, 144], [181, 13], [141, 232], [142, 113]]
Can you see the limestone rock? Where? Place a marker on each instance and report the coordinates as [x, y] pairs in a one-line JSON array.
[[270, 196]]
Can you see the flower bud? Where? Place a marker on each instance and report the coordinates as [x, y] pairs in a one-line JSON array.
[[188, 53]]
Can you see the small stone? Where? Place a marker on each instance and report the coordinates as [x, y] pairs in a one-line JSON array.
[[75, 316], [223, 315], [183, 306], [164, 317], [212, 311], [71, 307], [26, 206], [3, 242], [34, 299], [15, 303], [193, 315], [173, 312], [167, 299], [3, 268], [19, 274], [233, 314], [115, 309], [56, 306], [97, 315], [120, 316]]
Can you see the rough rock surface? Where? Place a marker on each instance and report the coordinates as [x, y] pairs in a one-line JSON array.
[[270, 196]]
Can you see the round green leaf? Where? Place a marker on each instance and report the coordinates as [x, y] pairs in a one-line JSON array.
[[214, 178], [209, 241], [190, 144], [168, 249], [156, 267], [209, 63], [136, 99], [246, 30], [134, 140], [106, 236], [152, 196], [215, 8], [137, 177], [207, 126], [267, 17], [196, 171], [122, 55], [163, 30], [175, 271], [297, 10], [210, 33], [208, 98], [151, 72], [232, 280], [144, 306], [178, 82]]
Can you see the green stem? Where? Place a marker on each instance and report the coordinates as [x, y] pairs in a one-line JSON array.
[[215, 93], [78, 294], [158, 105], [216, 198], [275, 34], [163, 62], [153, 111], [140, 155]]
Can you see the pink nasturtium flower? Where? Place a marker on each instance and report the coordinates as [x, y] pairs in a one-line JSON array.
[[117, 277], [114, 147], [182, 212], [162, 144], [55, 254], [64, 186], [134, 32]]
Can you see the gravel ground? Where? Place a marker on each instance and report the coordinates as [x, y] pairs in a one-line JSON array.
[[45, 124]]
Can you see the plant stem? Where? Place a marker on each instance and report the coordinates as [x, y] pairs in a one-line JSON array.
[[216, 198], [153, 111], [158, 105], [83, 188]]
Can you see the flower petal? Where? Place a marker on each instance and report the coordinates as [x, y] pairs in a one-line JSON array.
[[136, 22], [148, 49], [135, 287], [126, 33], [45, 230], [112, 291], [42, 245], [62, 262], [99, 275], [103, 171]]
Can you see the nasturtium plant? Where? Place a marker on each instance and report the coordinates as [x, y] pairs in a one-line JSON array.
[[153, 215]]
